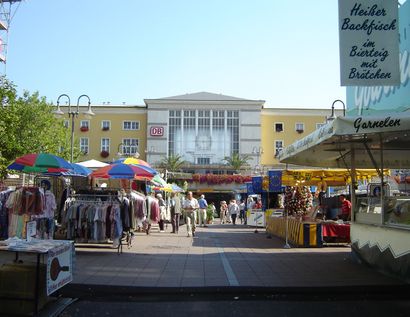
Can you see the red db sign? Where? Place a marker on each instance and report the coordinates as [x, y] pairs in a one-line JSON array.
[[156, 131]]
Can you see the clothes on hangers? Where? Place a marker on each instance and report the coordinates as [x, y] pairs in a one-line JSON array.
[[92, 221]]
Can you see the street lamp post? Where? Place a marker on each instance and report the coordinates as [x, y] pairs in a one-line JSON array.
[[119, 150], [333, 116], [73, 113], [258, 150]]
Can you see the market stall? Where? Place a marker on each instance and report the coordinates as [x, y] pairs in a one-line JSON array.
[[379, 230], [26, 228], [313, 216]]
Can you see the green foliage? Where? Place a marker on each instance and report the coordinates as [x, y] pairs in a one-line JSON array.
[[237, 161], [28, 125], [172, 163]]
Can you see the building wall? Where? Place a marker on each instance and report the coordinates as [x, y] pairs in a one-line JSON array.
[[249, 128], [116, 115], [256, 132], [288, 117]]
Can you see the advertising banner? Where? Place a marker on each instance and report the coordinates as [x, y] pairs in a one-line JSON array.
[[378, 100], [59, 267], [257, 184], [369, 42], [249, 188], [275, 181]]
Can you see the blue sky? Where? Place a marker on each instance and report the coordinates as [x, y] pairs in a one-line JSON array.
[[284, 52]]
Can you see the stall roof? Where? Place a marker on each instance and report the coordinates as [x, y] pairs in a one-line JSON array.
[[92, 164], [332, 177], [334, 144]]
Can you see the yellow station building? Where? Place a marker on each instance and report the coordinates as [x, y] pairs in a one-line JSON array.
[[202, 127]]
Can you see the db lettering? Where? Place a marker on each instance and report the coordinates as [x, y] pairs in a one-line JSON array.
[[157, 131]]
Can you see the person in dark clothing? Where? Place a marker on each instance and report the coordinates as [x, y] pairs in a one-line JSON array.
[[175, 212]]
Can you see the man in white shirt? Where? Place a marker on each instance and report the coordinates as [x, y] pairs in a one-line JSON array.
[[191, 205]]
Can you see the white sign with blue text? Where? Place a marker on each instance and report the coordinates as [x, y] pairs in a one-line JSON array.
[[369, 42]]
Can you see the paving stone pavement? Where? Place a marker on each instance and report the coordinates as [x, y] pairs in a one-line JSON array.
[[221, 256]]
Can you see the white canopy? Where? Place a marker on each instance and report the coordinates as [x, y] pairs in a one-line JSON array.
[[92, 164], [359, 139]]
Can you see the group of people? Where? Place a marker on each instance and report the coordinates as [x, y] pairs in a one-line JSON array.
[[229, 213], [195, 211]]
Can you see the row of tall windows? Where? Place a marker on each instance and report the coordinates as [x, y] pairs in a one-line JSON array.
[[106, 125], [203, 136], [129, 146]]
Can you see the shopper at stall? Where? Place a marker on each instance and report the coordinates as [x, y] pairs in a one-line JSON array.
[[233, 209], [258, 204], [346, 208], [175, 212], [191, 205], [203, 204]]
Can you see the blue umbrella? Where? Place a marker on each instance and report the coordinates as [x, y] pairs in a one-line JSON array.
[[77, 170]]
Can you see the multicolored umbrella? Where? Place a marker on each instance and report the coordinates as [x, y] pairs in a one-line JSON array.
[[132, 160], [158, 181], [77, 170], [137, 162], [34, 169], [43, 160], [123, 171], [176, 188]]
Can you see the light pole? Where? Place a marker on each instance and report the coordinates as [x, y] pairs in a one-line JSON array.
[[119, 150], [73, 113], [149, 152], [333, 116], [258, 150]]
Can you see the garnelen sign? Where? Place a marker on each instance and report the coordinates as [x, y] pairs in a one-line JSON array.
[[369, 42]]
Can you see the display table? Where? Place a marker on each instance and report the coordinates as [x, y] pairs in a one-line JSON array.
[[335, 232], [302, 234], [31, 282]]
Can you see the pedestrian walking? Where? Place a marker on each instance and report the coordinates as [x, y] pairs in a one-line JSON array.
[[162, 212], [175, 212], [233, 209], [203, 204], [211, 210], [242, 214], [190, 207], [223, 210]]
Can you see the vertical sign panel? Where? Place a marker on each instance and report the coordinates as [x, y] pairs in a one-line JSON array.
[[369, 42]]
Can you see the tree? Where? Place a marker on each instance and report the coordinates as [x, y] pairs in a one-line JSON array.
[[27, 125], [172, 163], [237, 161]]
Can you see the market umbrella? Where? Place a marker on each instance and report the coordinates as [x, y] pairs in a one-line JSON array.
[[43, 160], [159, 181], [34, 169], [123, 171], [77, 170], [176, 188], [137, 162], [132, 160]]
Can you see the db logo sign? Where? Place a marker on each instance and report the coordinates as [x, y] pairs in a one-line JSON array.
[[156, 131]]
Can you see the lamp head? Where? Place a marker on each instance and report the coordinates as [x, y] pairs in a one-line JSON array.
[[89, 113], [58, 113]]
